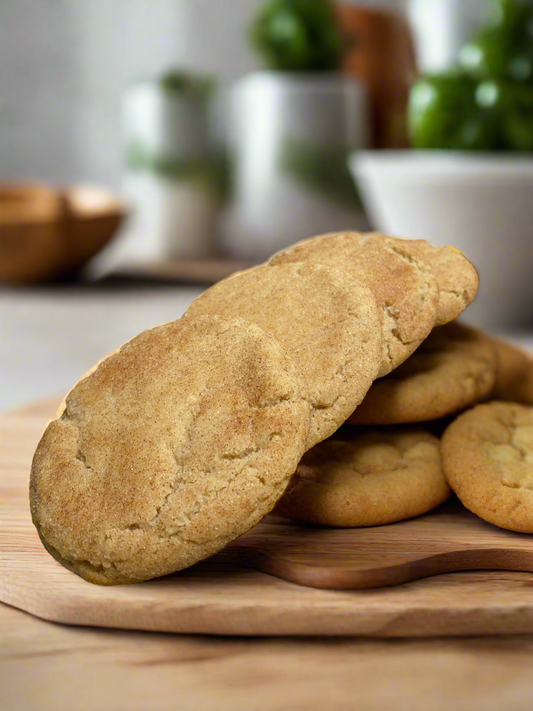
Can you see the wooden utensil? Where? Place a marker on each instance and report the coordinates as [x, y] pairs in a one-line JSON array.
[[46, 234]]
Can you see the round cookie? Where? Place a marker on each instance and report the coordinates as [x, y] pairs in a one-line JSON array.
[[524, 393], [405, 290], [511, 371], [367, 479], [327, 322], [487, 455], [456, 276], [176, 445], [454, 368]]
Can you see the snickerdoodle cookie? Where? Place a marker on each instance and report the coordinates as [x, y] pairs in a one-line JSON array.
[[169, 450], [367, 478], [512, 366], [404, 288], [327, 322], [456, 276], [454, 368], [487, 456], [524, 391], [62, 407]]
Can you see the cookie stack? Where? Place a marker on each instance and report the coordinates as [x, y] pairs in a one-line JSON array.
[[193, 431]]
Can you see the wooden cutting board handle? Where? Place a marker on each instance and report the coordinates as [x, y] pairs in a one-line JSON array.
[[447, 540]]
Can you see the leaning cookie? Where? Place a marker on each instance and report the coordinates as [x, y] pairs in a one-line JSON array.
[[453, 369], [368, 478], [63, 405], [487, 455], [326, 321], [173, 447], [405, 290]]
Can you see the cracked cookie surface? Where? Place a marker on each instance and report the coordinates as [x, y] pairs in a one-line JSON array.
[[454, 368], [63, 404], [456, 276], [326, 321], [173, 447], [404, 288], [367, 478], [487, 456]]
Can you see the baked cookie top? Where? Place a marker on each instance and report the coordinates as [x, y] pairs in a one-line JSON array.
[[404, 288], [327, 322], [367, 478], [62, 407], [454, 368], [456, 276], [174, 446], [487, 456]]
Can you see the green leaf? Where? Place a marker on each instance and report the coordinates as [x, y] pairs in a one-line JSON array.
[[298, 35], [504, 48], [183, 82], [444, 114]]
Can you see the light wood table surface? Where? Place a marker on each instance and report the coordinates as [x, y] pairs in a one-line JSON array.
[[46, 666], [47, 339]]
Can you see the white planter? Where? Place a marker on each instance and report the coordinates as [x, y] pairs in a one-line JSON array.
[[171, 178], [179, 219], [481, 204], [165, 123], [291, 134], [442, 27]]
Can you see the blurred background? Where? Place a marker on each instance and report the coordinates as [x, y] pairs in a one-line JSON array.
[[66, 66], [150, 148]]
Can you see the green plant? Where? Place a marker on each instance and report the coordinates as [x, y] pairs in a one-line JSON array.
[[444, 113], [504, 48], [209, 172], [298, 35], [184, 82], [487, 102]]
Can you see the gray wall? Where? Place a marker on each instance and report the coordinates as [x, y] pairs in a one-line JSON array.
[[65, 63]]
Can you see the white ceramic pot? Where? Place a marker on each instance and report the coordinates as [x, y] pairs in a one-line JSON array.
[[171, 176], [165, 123], [172, 218], [481, 204], [290, 136], [442, 27]]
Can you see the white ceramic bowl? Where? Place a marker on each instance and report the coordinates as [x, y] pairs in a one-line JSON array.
[[482, 204]]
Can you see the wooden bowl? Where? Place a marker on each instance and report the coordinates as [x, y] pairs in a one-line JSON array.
[[47, 234]]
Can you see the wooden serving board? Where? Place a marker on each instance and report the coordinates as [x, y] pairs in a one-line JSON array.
[[228, 595]]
